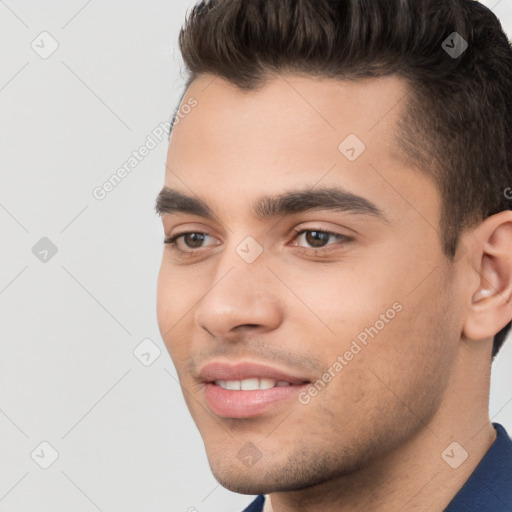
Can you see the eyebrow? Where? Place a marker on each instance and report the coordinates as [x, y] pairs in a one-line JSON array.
[[267, 207]]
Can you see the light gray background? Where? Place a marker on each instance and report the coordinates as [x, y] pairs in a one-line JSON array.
[[68, 375]]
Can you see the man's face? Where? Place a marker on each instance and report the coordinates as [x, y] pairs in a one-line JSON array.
[[364, 323]]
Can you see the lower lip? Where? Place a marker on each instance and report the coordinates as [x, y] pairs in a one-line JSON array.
[[230, 403]]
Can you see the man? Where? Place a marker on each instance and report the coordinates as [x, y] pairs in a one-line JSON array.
[[337, 274]]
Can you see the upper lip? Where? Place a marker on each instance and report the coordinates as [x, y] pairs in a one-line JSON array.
[[239, 371]]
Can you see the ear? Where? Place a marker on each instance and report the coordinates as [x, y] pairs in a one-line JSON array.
[[490, 305]]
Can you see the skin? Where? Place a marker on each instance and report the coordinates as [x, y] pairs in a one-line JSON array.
[[372, 439]]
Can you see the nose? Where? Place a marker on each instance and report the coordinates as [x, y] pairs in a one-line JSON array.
[[244, 298]]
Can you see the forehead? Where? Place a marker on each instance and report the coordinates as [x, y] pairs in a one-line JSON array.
[[294, 130], [287, 114], [361, 104]]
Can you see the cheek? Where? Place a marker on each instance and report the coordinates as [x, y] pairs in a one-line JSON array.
[[164, 298], [174, 291], [413, 355], [172, 306], [338, 302], [379, 328], [398, 369]]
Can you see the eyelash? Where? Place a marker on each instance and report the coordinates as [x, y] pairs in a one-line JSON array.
[[311, 250]]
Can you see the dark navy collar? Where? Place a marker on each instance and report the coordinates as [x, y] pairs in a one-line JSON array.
[[256, 505], [488, 488]]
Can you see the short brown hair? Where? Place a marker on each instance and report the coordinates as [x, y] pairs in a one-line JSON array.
[[458, 121]]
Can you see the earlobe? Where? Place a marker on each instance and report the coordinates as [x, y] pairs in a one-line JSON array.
[[490, 308]]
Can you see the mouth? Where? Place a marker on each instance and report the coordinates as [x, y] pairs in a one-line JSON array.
[[247, 390], [251, 384]]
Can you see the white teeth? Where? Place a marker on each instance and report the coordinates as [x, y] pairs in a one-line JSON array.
[[251, 384], [233, 384], [267, 383]]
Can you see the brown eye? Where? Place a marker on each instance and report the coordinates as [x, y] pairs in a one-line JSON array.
[[193, 240], [190, 241], [317, 238]]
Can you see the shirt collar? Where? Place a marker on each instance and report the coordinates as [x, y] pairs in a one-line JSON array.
[[489, 487]]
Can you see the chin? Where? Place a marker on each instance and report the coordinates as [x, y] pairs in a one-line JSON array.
[[242, 481], [249, 486], [278, 477]]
